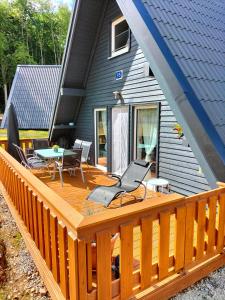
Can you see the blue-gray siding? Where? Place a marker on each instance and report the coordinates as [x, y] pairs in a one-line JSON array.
[[176, 162]]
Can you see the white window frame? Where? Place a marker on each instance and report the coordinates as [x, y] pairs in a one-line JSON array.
[[135, 123], [95, 128], [113, 51]]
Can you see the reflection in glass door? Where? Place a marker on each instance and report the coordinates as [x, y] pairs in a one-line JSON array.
[[146, 135], [101, 138]]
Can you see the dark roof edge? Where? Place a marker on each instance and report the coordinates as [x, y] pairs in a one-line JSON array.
[[176, 88], [3, 125], [40, 66], [64, 62]]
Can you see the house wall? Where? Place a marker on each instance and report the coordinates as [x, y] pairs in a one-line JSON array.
[[177, 162]]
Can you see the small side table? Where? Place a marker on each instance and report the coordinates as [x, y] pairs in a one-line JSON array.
[[155, 183]]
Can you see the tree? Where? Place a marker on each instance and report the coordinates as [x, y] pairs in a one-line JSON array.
[[31, 31]]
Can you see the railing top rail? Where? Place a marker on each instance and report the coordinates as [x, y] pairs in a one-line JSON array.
[[59, 206], [112, 218]]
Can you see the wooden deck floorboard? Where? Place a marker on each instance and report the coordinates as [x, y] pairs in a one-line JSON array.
[[75, 192]]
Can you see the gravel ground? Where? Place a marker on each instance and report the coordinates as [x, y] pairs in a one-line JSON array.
[[23, 280], [211, 287]]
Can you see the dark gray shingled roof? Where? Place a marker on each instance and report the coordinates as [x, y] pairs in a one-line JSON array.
[[33, 94], [194, 31], [184, 42]]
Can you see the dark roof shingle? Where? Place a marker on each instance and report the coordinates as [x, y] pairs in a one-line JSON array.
[[33, 94]]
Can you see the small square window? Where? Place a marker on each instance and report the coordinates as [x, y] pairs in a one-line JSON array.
[[120, 37]]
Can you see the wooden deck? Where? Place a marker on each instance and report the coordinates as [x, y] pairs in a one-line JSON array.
[[167, 242], [75, 192]]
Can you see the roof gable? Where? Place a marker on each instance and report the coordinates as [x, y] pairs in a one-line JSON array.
[[33, 94], [164, 31]]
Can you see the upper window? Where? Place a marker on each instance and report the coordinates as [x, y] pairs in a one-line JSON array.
[[120, 37]]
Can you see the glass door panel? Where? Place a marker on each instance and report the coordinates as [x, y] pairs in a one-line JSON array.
[[147, 135], [120, 123], [101, 137]]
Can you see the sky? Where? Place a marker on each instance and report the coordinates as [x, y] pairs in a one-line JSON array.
[[69, 2]]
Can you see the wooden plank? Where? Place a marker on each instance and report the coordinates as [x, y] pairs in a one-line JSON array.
[[146, 252], [201, 220], [82, 270], [22, 199], [221, 232], [211, 225], [30, 209], [64, 278], [54, 246], [126, 261], [47, 240], [189, 233], [73, 266], [35, 219], [40, 227], [27, 222], [180, 237], [164, 239], [104, 273], [89, 266]]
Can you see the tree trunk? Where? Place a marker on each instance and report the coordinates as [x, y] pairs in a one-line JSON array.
[[5, 93]]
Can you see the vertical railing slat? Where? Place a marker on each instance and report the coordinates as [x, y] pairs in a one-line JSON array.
[[211, 225], [180, 237], [40, 226], [201, 220], [126, 263], [104, 273], [82, 269], [54, 246], [146, 252], [189, 233], [221, 232], [64, 278], [47, 243], [73, 266], [164, 239]]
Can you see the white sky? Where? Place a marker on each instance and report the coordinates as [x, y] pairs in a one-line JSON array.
[[69, 2]]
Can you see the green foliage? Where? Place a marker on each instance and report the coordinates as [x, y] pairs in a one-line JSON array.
[[31, 32]]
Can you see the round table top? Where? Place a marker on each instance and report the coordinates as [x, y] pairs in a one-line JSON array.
[[158, 182]]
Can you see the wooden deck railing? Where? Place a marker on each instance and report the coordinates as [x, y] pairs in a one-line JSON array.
[[51, 223], [25, 143], [165, 243]]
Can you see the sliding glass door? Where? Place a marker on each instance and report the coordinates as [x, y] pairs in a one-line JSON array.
[[101, 138], [120, 130], [146, 135]]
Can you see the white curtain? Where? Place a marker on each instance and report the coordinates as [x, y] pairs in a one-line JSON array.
[[148, 120], [104, 122], [119, 139]]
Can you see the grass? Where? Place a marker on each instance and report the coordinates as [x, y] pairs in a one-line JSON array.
[[25, 134]]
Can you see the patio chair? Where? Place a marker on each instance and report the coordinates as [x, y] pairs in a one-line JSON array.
[[70, 163], [77, 144], [40, 144], [85, 151], [130, 181], [31, 162]]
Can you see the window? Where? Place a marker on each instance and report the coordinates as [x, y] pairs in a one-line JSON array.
[[120, 37], [146, 135], [101, 137]]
